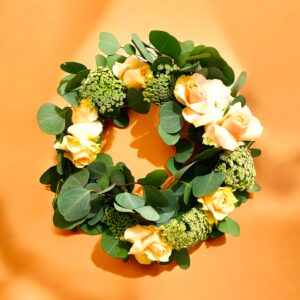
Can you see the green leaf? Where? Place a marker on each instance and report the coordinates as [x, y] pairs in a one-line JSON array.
[[169, 211], [74, 204], [215, 233], [171, 119], [229, 226], [255, 152], [61, 223], [78, 179], [238, 84], [113, 246], [213, 73], [154, 197], [173, 166], [141, 48], [72, 97], [148, 213], [106, 159], [165, 43], [181, 171], [97, 169], [129, 179], [161, 60], [101, 60], [122, 120], [169, 139], [60, 162], [186, 48], [122, 209], [49, 176], [208, 154], [51, 119], [156, 178], [72, 67], [136, 101], [184, 150], [129, 49], [75, 82], [240, 99], [91, 230], [129, 201], [187, 193], [103, 182], [117, 177], [108, 43], [182, 258], [255, 188], [112, 59], [197, 50], [241, 196], [207, 184]]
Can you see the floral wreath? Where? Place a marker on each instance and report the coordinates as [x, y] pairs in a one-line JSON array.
[[201, 114]]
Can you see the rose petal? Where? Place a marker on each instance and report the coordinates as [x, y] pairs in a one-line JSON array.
[[89, 131], [221, 137]]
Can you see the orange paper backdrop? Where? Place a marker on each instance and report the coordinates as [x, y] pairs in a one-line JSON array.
[[40, 262]]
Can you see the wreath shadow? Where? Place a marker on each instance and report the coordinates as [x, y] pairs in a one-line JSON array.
[[132, 269], [146, 138]]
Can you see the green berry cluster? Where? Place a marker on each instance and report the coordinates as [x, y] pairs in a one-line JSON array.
[[117, 222], [104, 89], [238, 167], [189, 231], [161, 88]]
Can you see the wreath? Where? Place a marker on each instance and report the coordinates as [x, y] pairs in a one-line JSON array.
[[201, 113]]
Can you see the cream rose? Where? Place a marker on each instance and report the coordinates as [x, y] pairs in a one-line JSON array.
[[86, 131], [205, 100], [218, 204], [234, 129], [147, 245], [80, 152], [133, 72], [85, 112]]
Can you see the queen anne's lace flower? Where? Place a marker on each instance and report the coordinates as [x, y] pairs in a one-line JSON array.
[[117, 222], [104, 89], [238, 167], [189, 231], [161, 88]]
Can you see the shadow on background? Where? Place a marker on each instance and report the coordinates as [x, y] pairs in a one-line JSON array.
[[132, 269]]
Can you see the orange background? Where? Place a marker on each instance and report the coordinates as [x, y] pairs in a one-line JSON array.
[[40, 262]]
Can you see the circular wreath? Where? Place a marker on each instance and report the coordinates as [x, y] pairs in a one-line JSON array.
[[201, 114]]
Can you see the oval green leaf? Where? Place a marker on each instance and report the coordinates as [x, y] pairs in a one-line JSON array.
[[229, 226], [78, 179], [148, 213], [165, 43], [136, 101], [72, 67], [207, 184], [74, 204], [129, 201], [169, 139], [113, 246], [171, 119], [108, 43], [51, 119], [184, 150]]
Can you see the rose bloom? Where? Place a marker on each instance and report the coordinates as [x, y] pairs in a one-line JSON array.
[[218, 204], [85, 112], [147, 245], [234, 129], [86, 131], [133, 72], [205, 100], [80, 152]]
